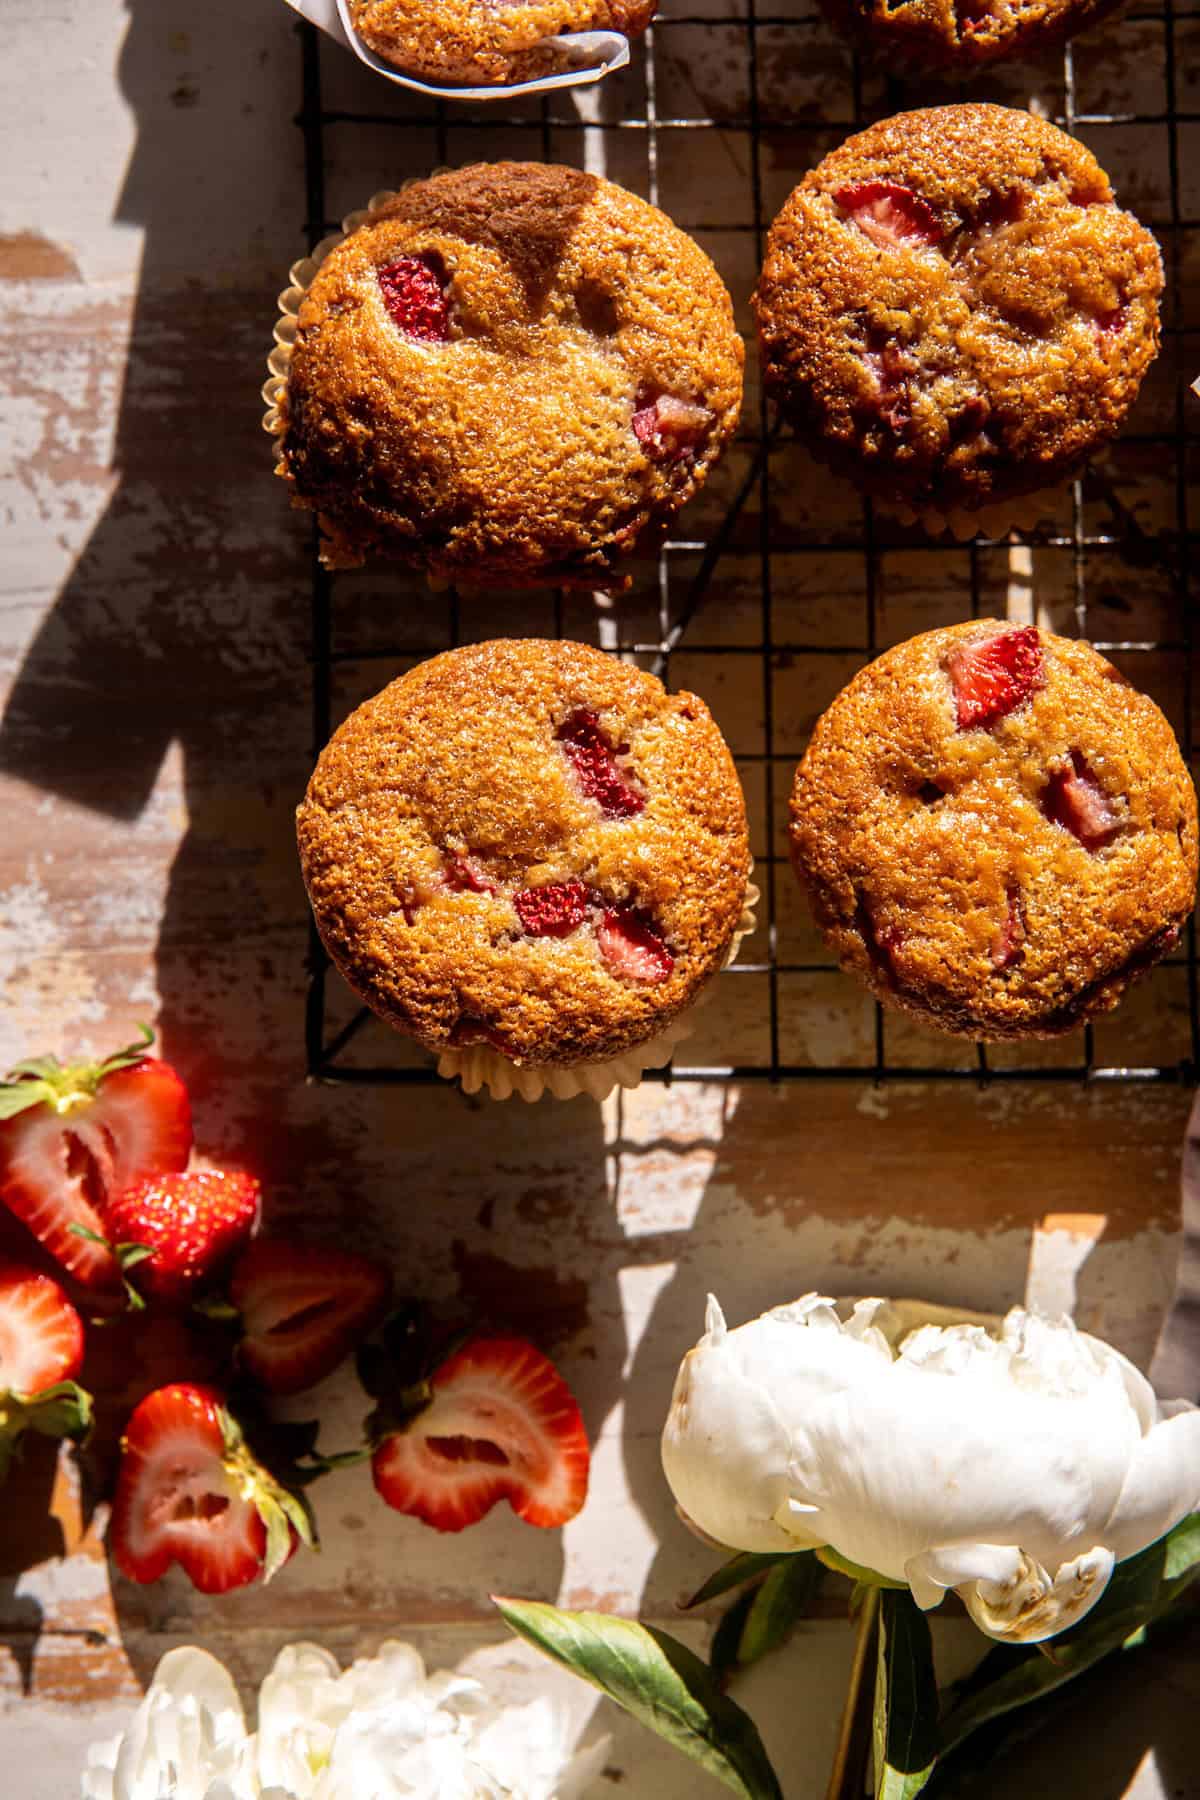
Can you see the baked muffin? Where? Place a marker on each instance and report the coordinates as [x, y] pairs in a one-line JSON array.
[[997, 832], [954, 311], [478, 44], [509, 374], [527, 844], [960, 36]]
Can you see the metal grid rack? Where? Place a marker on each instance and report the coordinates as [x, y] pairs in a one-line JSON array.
[[1123, 531]]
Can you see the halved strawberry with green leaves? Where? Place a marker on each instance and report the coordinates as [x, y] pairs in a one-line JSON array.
[[495, 1421], [190, 1491], [304, 1307], [41, 1348], [72, 1138]]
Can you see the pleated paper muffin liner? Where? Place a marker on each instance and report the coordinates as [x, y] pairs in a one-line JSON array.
[[1024, 513], [591, 54], [479, 1066]]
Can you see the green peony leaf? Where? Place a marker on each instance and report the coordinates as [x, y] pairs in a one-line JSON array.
[[783, 1599], [906, 1700], [725, 1651], [657, 1680], [743, 1567]]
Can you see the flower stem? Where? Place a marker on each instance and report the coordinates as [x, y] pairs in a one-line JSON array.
[[848, 1777]]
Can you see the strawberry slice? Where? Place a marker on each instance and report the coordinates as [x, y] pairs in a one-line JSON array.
[[889, 213], [1008, 945], [192, 1224], [190, 1491], [1075, 798], [72, 1138], [993, 676], [414, 292], [554, 910], [41, 1334], [593, 756], [668, 428], [304, 1308], [632, 949], [499, 1423], [41, 1348]]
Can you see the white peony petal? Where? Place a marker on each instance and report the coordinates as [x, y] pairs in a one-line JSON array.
[[1162, 1485], [1032, 1605], [933, 1572]]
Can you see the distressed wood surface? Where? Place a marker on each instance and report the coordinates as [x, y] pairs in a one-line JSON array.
[[153, 742]]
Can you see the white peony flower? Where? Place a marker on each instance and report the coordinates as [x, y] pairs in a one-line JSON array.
[[382, 1730], [1012, 1460]]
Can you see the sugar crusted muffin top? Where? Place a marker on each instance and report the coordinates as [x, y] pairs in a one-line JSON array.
[[954, 310], [508, 374], [481, 44], [997, 832], [962, 35], [530, 844]]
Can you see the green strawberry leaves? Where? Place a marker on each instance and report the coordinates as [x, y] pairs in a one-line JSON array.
[[660, 1682], [64, 1410], [44, 1081], [281, 1509]]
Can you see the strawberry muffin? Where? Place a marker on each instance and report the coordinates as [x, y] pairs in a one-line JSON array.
[[960, 36], [474, 43], [954, 311], [528, 845], [509, 374], [997, 833]]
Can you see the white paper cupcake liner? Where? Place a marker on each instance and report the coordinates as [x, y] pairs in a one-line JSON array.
[[595, 54], [479, 1066]]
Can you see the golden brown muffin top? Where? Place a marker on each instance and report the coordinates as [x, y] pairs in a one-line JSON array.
[[477, 43], [558, 368], [962, 34], [954, 307], [527, 843], [996, 830]]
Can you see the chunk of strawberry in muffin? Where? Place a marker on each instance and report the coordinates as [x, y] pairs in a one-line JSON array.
[[554, 910], [1076, 799], [889, 213], [992, 678], [631, 947], [414, 293]]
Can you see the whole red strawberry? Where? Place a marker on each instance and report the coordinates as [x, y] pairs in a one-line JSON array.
[[193, 1224], [71, 1138]]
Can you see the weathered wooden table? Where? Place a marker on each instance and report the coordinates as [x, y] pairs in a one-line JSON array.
[[154, 635]]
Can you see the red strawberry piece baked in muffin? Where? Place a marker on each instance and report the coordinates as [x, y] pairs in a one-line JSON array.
[[477, 44], [954, 311], [509, 374], [530, 845], [997, 833], [962, 35]]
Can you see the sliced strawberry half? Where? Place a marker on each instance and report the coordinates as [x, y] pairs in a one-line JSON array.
[[189, 1491], [304, 1307], [72, 1138], [414, 292], [993, 676], [593, 756], [889, 213], [500, 1424], [554, 910], [190, 1225], [1075, 798], [41, 1334], [631, 947]]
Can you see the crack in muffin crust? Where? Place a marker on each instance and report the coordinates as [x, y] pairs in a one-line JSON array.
[[953, 310], [510, 374], [471, 888], [1002, 870]]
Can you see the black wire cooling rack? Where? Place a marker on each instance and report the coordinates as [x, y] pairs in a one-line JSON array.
[[789, 581]]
